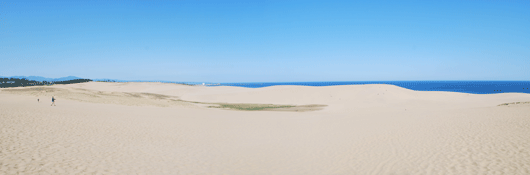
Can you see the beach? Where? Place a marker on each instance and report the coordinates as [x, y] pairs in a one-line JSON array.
[[163, 128]]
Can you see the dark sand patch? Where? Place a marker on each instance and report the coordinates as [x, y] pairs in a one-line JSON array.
[[514, 103], [267, 107]]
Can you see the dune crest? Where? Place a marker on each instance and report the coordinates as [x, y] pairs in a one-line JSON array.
[[157, 128]]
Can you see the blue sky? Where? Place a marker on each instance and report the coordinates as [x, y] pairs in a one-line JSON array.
[[266, 41]]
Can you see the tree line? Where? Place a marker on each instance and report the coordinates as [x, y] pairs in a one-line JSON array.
[[17, 82]]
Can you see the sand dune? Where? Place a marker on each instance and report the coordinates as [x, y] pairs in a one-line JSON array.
[[157, 128]]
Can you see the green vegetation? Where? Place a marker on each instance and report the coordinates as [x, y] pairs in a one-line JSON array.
[[506, 104], [17, 82], [250, 107]]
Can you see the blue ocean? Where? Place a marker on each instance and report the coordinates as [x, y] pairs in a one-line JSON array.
[[473, 87]]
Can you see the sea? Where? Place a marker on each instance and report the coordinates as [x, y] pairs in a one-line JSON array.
[[472, 87]]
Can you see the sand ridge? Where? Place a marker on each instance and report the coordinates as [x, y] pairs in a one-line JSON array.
[[136, 98], [365, 129]]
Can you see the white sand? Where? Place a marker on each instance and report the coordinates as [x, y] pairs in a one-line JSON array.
[[365, 129]]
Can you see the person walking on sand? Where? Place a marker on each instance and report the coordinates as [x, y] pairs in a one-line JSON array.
[[38, 100], [53, 101]]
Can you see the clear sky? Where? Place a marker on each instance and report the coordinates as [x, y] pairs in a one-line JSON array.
[[266, 41]]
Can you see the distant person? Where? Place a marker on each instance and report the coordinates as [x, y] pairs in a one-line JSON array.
[[53, 101], [38, 100]]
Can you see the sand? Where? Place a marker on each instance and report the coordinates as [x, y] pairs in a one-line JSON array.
[[156, 128]]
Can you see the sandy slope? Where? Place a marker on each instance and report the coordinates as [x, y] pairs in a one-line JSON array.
[[123, 128]]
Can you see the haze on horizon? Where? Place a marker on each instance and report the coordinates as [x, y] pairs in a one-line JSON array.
[[266, 41]]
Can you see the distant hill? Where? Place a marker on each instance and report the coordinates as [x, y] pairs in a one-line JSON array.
[[39, 78]]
